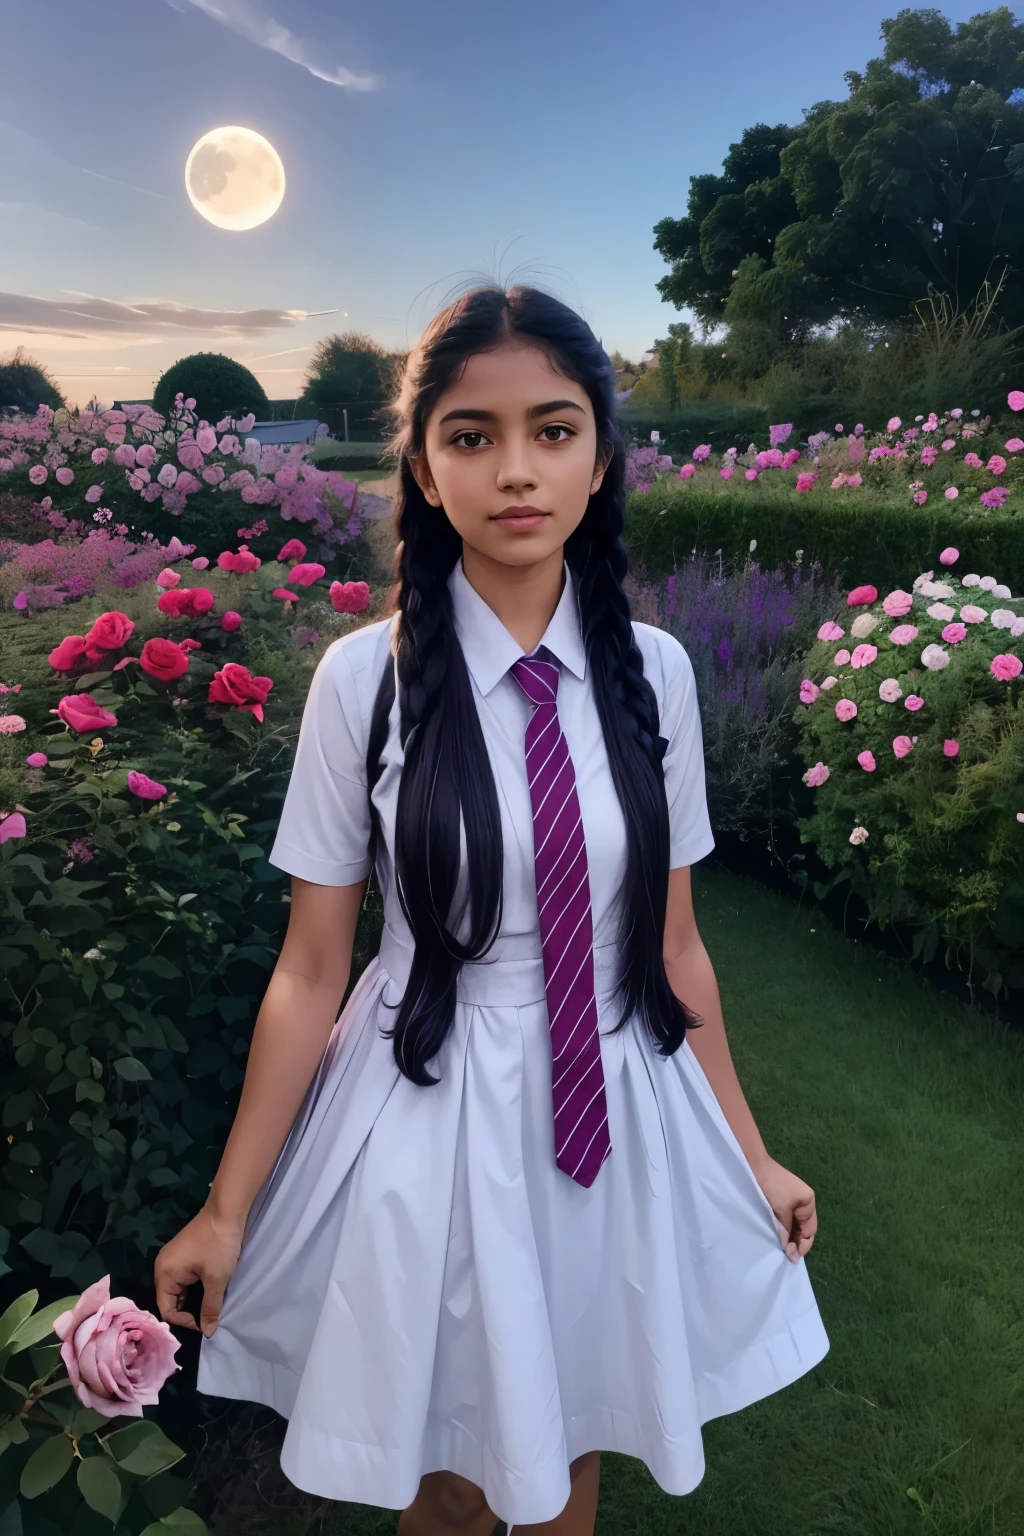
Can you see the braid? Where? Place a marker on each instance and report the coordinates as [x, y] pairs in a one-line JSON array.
[[628, 709], [446, 786]]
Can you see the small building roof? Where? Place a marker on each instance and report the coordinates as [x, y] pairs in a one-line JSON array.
[[280, 433]]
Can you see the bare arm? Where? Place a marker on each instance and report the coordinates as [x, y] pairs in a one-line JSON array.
[[292, 1029], [692, 978]]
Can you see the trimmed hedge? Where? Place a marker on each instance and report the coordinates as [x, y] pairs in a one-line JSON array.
[[886, 546], [683, 426]]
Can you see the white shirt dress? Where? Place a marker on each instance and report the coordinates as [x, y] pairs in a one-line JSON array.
[[420, 1288]]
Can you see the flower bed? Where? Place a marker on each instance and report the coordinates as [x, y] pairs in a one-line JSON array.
[[911, 719]]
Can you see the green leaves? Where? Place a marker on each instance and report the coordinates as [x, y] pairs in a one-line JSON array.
[[101, 1488], [46, 1466], [143, 1448]]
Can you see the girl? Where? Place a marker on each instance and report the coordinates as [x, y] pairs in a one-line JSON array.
[[511, 1209]]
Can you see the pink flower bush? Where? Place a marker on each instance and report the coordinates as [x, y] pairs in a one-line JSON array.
[[846, 709], [117, 1357]]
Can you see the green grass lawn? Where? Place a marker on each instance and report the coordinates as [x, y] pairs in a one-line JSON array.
[[903, 1110]]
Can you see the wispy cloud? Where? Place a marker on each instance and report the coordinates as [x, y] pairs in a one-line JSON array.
[[249, 21], [80, 316], [36, 176]]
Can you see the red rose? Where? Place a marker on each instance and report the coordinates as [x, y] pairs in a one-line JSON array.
[[349, 596], [231, 621], [109, 633], [305, 575], [82, 713], [68, 654], [188, 602], [163, 659], [235, 684]]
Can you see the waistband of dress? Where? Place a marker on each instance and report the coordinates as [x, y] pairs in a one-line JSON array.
[[510, 974]]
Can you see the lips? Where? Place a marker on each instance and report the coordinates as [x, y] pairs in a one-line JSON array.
[[520, 512]]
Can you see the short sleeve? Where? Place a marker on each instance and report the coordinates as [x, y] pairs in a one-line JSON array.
[[683, 763], [324, 832]]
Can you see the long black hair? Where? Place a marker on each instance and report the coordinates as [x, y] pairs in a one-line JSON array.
[[447, 783]]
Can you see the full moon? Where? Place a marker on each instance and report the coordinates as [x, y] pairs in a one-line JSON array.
[[234, 178]]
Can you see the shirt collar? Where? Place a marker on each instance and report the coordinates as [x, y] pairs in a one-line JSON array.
[[488, 647]]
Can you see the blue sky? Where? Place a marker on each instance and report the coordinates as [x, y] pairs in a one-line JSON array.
[[423, 145]]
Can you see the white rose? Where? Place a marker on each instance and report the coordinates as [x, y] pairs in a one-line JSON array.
[[999, 590], [858, 834], [971, 581], [935, 658], [988, 582], [863, 624], [940, 611], [1002, 618]]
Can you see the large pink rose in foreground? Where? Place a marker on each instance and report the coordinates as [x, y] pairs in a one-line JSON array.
[[117, 1356], [349, 596]]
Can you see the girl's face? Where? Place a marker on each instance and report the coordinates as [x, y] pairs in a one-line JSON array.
[[511, 432]]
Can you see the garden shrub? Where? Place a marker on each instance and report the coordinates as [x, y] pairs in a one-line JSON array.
[[912, 731], [217, 385]]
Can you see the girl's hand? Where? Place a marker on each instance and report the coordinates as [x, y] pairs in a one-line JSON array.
[[206, 1249], [793, 1203]]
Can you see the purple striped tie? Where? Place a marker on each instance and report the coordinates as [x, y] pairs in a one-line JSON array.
[[582, 1141]]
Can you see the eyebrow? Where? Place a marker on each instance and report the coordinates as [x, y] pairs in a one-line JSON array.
[[535, 410]]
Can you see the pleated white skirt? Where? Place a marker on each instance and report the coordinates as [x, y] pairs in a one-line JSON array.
[[420, 1288]]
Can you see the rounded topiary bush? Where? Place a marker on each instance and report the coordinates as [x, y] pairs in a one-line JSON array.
[[219, 386], [25, 385]]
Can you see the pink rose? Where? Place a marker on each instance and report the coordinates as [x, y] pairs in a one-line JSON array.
[[950, 747], [1014, 444], [808, 691], [841, 658], [305, 575], [845, 709], [1015, 399], [903, 634], [951, 495], [726, 472], [38, 473], [235, 684], [865, 594], [109, 633], [285, 595], [100, 456], [168, 578], [37, 760], [240, 563], [189, 602], [913, 701], [902, 745], [751, 474], [996, 464], [68, 654], [949, 556], [81, 712], [863, 655], [10, 725], [65, 476], [920, 497], [830, 630], [206, 439], [163, 659], [898, 603], [954, 633], [146, 788], [231, 621], [117, 1356], [13, 826], [816, 775], [972, 614], [293, 550], [200, 563], [1006, 667], [349, 596], [804, 481], [867, 761]]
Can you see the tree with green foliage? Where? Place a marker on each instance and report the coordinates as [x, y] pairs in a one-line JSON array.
[[348, 372], [219, 385], [911, 188], [25, 385]]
